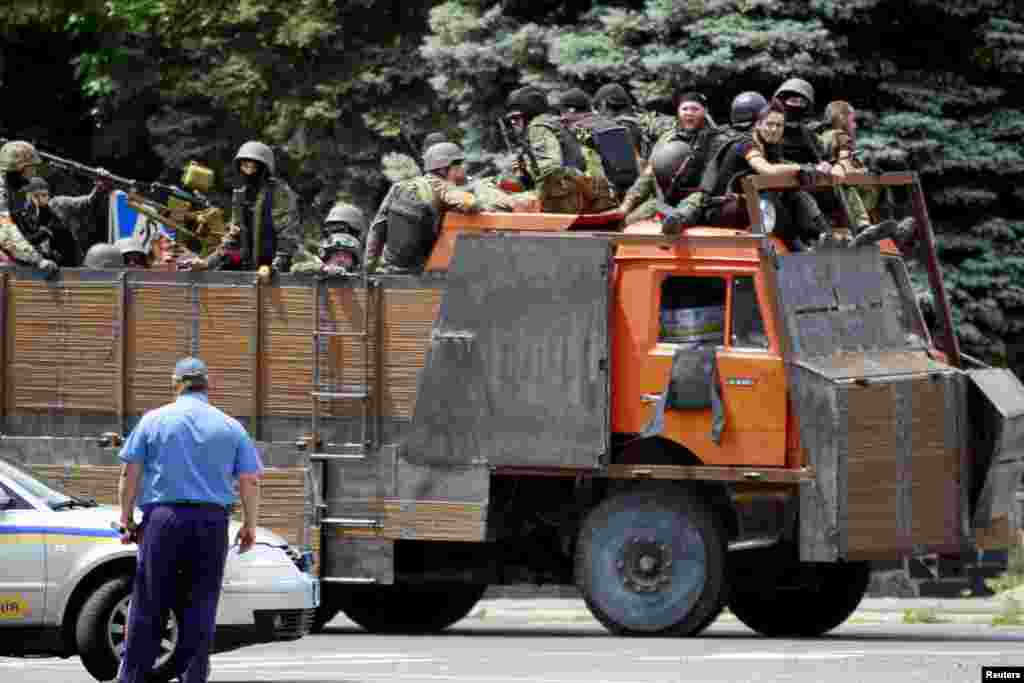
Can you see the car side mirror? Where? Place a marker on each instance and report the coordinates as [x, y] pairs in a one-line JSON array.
[[5, 500]]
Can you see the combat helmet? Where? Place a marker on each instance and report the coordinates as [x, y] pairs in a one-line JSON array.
[[530, 101], [667, 159], [800, 87], [348, 214], [103, 256], [442, 155], [745, 108], [575, 99], [17, 154], [612, 94], [255, 150], [432, 139]]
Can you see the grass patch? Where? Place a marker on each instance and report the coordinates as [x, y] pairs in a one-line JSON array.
[[1011, 615], [924, 615]]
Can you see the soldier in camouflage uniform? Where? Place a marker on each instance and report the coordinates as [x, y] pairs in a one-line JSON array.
[[339, 252], [692, 127], [837, 142], [264, 229], [557, 167], [576, 114], [19, 161], [58, 226], [440, 189]]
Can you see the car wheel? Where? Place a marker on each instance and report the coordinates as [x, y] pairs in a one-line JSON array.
[[102, 628], [651, 561], [426, 608]]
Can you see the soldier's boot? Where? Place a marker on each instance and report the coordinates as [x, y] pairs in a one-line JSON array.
[[876, 233]]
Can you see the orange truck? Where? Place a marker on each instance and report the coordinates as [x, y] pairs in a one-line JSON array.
[[672, 425]]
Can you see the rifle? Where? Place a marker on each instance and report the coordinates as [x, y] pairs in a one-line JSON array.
[[524, 149]]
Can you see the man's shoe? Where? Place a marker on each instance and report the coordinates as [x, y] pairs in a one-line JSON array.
[[876, 233]]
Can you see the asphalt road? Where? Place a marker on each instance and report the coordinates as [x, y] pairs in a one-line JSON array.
[[503, 650]]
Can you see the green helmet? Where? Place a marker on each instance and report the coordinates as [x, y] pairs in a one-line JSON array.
[[103, 256], [800, 87], [442, 155], [346, 213], [257, 151], [432, 139], [17, 154]]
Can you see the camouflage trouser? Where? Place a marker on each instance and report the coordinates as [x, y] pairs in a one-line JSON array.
[[603, 198], [643, 212]]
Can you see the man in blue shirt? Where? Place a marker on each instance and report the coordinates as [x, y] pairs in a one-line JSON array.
[[180, 465]]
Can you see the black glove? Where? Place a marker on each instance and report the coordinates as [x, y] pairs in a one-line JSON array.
[[808, 174], [281, 264]]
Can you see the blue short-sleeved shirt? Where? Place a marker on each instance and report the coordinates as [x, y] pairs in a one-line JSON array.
[[190, 451]]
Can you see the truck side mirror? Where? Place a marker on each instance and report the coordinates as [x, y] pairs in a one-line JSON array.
[[5, 499]]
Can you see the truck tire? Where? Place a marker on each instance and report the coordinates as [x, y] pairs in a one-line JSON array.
[[824, 596], [651, 562], [100, 631], [404, 608]]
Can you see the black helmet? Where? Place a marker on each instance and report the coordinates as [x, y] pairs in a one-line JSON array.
[[666, 160], [797, 86], [745, 108], [530, 101], [612, 94], [575, 100]]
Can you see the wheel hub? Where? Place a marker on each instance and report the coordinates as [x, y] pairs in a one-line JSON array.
[[645, 565], [117, 633]]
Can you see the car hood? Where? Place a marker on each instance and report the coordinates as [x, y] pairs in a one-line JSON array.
[[102, 516]]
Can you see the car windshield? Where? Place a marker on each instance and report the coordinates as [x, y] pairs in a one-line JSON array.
[[34, 486]]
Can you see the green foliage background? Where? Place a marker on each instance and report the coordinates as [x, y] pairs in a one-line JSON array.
[[333, 85]]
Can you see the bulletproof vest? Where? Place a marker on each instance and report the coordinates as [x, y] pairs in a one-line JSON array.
[[727, 166], [412, 224], [618, 156], [572, 155], [800, 145]]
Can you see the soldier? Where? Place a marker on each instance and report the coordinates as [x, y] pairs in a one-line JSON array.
[[340, 252], [19, 161], [405, 228], [799, 144], [606, 147], [838, 145], [57, 226], [264, 218], [694, 128], [613, 101], [556, 164]]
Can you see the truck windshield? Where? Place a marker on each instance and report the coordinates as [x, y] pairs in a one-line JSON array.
[[33, 485]]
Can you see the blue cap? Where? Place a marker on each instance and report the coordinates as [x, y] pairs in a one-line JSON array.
[[190, 368]]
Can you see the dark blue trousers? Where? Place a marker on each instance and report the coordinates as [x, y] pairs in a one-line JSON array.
[[180, 567]]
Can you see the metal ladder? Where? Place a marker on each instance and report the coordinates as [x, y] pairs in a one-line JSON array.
[[324, 393]]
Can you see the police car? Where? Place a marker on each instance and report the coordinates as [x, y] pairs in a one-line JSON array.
[[66, 580]]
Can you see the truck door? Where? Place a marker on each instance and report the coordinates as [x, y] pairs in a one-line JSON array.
[[23, 567], [702, 315], [753, 383]]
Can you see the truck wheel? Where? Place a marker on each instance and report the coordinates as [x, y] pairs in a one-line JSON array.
[[651, 561], [324, 614], [821, 598], [403, 608], [102, 626]]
